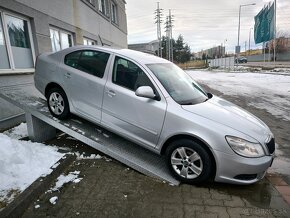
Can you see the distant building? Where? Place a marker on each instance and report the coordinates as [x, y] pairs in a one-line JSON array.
[[31, 27], [215, 52], [150, 47]]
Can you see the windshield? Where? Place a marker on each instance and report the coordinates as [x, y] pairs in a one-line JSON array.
[[180, 86]]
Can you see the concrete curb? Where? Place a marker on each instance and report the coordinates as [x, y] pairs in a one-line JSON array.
[[9, 122], [22, 202]]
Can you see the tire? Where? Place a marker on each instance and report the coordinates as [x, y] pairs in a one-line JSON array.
[[57, 103], [184, 169]]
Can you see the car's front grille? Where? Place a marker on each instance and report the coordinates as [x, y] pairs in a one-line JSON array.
[[246, 176], [271, 146]]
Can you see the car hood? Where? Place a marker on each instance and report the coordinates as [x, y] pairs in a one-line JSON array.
[[229, 114]]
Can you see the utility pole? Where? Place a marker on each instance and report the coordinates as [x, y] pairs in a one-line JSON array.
[[168, 30], [250, 41], [158, 18], [275, 30]]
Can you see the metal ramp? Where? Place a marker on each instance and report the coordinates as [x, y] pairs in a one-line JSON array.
[[42, 126]]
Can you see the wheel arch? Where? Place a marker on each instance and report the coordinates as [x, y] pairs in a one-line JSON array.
[[50, 86], [197, 140]]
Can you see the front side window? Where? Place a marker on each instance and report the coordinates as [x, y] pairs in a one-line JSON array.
[[129, 75], [180, 86], [91, 62]]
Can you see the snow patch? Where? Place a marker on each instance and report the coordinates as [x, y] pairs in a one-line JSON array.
[[63, 179], [53, 200], [91, 157], [264, 91], [22, 162], [17, 132]]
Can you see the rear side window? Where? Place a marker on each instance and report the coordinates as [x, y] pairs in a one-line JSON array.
[[91, 62], [72, 59]]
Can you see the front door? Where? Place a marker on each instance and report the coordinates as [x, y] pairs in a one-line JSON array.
[[140, 119], [84, 72]]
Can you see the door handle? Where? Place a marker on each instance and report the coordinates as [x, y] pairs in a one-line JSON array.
[[67, 75], [111, 93]]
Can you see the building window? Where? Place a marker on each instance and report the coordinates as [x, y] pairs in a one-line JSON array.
[[4, 63], [60, 39], [92, 2], [15, 43], [103, 7], [114, 12], [89, 42]]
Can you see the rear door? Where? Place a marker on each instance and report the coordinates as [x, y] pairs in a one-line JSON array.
[[84, 73], [138, 118]]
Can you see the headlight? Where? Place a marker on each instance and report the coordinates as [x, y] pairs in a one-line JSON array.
[[244, 147]]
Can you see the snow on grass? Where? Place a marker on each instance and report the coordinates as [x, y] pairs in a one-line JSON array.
[[264, 91], [63, 179], [21, 163], [17, 132]]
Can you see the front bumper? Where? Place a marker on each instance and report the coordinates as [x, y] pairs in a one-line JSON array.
[[236, 169]]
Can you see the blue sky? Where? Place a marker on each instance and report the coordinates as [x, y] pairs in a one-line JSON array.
[[203, 24]]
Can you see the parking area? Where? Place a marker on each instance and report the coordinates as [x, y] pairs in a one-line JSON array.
[[107, 188], [110, 189]]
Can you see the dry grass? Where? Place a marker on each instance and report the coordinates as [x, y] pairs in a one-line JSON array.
[[193, 64]]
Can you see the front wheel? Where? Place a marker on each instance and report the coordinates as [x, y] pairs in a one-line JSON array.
[[189, 161], [57, 103]]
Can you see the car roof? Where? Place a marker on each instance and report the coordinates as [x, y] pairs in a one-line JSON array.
[[140, 57]]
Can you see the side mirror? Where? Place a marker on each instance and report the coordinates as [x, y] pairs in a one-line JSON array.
[[145, 91]]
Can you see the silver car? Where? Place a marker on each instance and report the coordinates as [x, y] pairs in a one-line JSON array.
[[155, 104]]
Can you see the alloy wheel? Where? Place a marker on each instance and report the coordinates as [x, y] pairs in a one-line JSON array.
[[186, 162]]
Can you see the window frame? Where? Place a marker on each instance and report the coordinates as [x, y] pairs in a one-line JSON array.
[[85, 50], [90, 40], [114, 16], [106, 8], [3, 14], [59, 35]]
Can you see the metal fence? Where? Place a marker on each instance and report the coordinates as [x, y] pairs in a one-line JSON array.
[[226, 63]]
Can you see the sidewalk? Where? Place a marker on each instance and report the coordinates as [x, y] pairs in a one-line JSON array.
[[7, 110]]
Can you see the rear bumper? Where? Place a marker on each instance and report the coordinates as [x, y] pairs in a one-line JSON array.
[[236, 169]]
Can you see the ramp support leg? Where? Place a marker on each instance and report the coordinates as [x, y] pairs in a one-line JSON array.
[[39, 131]]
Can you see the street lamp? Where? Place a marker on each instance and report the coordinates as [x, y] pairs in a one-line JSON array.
[[237, 50], [250, 41], [225, 47]]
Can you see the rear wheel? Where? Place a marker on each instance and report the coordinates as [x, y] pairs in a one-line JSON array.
[[57, 103], [189, 161]]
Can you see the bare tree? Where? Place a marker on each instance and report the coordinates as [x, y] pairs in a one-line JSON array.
[[282, 42]]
